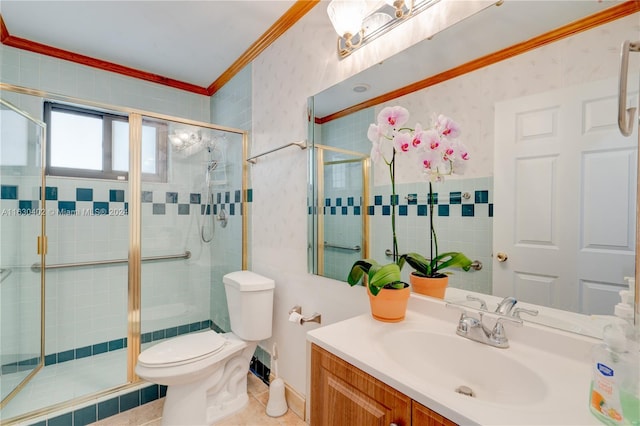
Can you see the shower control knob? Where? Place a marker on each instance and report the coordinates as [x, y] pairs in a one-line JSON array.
[[502, 256]]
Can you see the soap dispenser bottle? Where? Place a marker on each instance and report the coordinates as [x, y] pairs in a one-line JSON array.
[[624, 309], [614, 394]]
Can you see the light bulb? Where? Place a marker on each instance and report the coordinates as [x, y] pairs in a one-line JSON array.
[[346, 16]]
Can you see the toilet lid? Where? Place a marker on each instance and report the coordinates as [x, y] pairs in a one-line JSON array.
[[181, 349]]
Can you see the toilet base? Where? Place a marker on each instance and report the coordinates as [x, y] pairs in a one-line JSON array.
[[220, 393]]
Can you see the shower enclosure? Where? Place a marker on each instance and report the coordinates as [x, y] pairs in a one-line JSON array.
[[338, 223], [344, 182], [94, 270]]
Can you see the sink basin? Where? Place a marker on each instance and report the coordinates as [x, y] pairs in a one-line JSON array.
[[450, 362]]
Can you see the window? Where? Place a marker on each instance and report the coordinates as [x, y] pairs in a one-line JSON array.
[[95, 144]]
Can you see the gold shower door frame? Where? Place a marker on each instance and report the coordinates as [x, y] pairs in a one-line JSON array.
[[134, 289], [319, 175], [41, 247]]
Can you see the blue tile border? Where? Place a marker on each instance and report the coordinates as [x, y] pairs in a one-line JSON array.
[[84, 194], [121, 403], [50, 192], [110, 407], [102, 347], [171, 198], [9, 192], [85, 203], [416, 205], [260, 370], [350, 205], [116, 195], [66, 207]]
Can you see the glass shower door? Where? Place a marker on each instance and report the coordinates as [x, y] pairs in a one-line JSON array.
[[344, 176], [22, 230], [191, 227]]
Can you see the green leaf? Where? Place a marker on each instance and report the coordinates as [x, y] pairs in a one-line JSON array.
[[398, 284], [455, 260], [359, 268], [418, 262], [383, 275]]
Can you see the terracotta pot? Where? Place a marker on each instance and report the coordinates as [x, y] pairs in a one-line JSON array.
[[434, 287], [389, 305]]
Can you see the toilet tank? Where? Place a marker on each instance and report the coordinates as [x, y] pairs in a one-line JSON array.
[[250, 303]]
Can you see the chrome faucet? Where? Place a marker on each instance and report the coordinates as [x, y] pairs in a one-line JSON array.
[[474, 329], [506, 305]]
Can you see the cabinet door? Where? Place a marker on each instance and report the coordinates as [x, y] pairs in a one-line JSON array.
[[423, 416], [342, 395]]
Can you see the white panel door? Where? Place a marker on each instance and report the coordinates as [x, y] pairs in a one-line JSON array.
[[564, 198]]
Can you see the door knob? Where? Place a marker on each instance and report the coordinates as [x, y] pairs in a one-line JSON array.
[[502, 256]]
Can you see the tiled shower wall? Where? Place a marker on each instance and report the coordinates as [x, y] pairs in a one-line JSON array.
[[463, 220], [87, 220], [87, 306]]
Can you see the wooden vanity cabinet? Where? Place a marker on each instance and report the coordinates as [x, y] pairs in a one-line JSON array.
[[423, 416], [343, 395]]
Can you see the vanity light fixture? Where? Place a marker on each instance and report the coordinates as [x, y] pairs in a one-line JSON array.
[[358, 22], [400, 7], [346, 16]]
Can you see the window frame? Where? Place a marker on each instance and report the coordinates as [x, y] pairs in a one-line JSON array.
[[107, 171]]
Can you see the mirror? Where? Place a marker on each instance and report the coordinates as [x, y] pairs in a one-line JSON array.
[[563, 90]]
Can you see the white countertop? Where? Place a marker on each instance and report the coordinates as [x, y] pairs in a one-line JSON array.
[[560, 360]]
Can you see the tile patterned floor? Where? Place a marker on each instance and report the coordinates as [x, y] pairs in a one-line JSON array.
[[253, 415]]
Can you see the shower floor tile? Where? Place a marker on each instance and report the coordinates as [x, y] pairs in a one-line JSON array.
[[61, 382]]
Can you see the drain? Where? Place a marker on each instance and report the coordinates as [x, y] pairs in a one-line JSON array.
[[465, 390]]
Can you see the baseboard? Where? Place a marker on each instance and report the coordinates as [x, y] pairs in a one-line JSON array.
[[295, 401]]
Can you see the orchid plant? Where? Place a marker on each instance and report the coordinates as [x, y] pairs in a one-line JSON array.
[[439, 153], [388, 124]]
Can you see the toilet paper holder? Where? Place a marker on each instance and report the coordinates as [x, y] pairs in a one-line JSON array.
[[295, 315]]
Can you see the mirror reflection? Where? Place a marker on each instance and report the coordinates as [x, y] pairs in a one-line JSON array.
[[547, 202]]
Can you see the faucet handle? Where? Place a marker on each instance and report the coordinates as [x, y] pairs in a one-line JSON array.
[[467, 322], [532, 312], [498, 329], [513, 320], [498, 335], [483, 304]]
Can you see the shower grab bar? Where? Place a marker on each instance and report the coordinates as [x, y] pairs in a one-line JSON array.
[[299, 144], [625, 115], [36, 267], [476, 265], [354, 248], [464, 196]]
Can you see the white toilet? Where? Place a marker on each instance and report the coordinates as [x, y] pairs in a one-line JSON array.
[[206, 372]]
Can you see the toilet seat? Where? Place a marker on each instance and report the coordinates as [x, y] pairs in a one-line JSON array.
[[182, 349]]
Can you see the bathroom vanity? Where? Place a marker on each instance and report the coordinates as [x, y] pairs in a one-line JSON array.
[[345, 395], [420, 372]]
